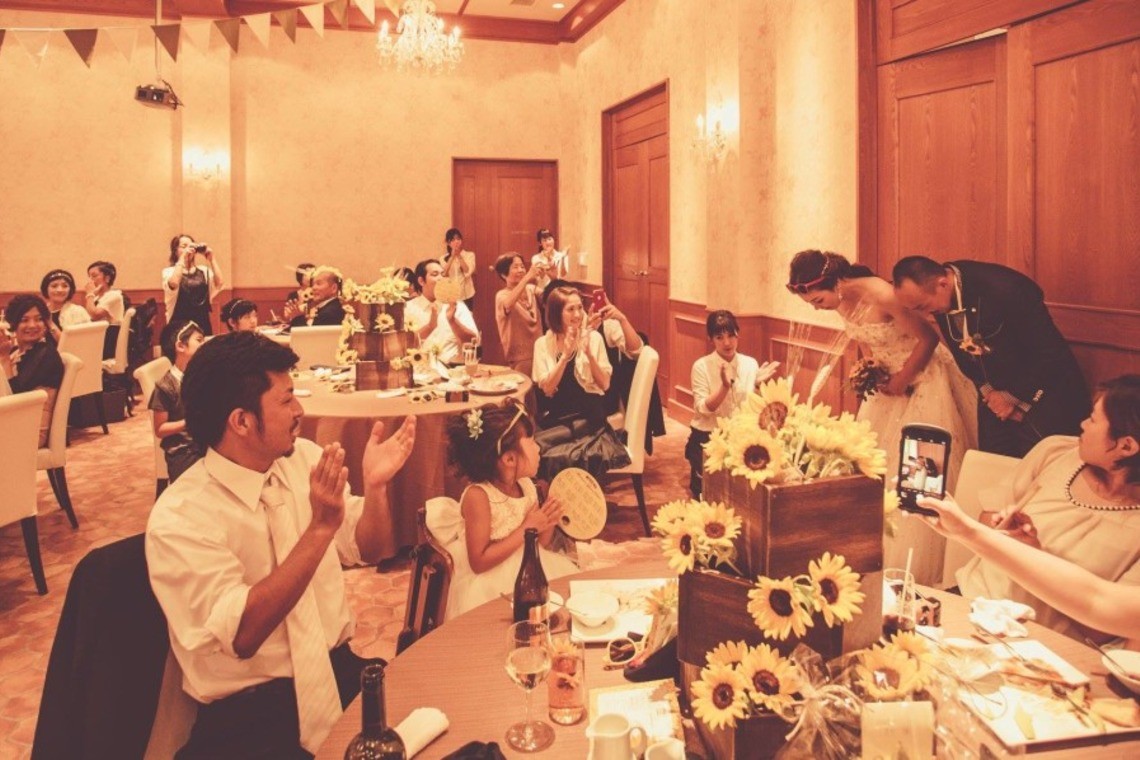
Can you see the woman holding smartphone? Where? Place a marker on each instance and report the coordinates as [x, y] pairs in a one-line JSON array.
[[191, 282]]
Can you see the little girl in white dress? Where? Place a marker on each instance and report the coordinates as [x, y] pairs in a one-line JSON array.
[[494, 447]]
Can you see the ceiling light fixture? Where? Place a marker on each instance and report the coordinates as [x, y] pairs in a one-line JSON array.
[[421, 44], [558, 6]]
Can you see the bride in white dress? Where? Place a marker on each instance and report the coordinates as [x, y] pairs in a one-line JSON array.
[[925, 384]]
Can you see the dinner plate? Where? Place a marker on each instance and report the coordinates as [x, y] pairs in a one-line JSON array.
[[493, 386]]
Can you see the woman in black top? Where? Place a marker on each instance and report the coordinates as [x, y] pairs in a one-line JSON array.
[[191, 282], [26, 358]]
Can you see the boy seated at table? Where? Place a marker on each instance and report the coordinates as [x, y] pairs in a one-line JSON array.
[[179, 341]]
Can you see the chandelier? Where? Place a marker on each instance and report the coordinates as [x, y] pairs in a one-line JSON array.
[[421, 44]]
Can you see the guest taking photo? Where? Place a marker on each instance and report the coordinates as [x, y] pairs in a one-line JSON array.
[[191, 282]]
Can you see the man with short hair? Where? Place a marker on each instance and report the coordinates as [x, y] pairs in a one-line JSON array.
[[442, 326], [244, 555], [324, 299], [996, 324]]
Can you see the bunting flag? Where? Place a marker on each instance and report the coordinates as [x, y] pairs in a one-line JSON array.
[[2, 32], [168, 35], [34, 41], [83, 40], [124, 39], [259, 27], [197, 34], [230, 29], [339, 11], [368, 8], [394, 6], [288, 21], [315, 15]]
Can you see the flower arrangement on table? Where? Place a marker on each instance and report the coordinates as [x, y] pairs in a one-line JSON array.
[[388, 289]]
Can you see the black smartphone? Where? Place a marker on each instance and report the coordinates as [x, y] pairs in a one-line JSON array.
[[924, 456]]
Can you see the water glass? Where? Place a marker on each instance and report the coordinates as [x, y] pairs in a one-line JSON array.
[[566, 684], [899, 602]]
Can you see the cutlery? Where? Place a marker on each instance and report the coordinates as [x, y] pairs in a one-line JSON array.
[[1108, 653]]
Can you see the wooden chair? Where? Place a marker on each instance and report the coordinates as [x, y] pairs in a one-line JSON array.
[[20, 416], [85, 341], [980, 470], [427, 588], [315, 345], [636, 418], [53, 457], [148, 376], [115, 368]]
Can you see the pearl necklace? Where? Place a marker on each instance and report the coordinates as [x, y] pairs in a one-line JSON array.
[[1098, 508]]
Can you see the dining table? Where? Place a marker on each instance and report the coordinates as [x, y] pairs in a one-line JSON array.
[[459, 669], [336, 412]]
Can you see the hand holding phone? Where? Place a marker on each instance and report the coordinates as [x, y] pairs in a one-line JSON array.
[[924, 456], [599, 300]]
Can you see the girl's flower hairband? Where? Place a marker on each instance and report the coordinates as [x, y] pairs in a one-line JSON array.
[[475, 423]]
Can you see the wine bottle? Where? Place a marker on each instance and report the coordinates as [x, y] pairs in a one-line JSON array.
[[376, 741], [531, 588]]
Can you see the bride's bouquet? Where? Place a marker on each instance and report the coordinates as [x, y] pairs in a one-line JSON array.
[[868, 377]]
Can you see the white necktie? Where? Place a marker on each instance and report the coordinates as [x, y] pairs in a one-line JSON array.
[[318, 701]]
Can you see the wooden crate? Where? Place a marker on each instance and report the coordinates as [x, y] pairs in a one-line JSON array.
[[757, 738]]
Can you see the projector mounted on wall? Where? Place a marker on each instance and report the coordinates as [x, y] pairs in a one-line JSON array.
[[157, 95]]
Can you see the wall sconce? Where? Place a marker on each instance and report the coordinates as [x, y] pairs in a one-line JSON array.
[[205, 166], [711, 143]]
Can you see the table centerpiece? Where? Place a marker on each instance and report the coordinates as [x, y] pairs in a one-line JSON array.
[[374, 335]]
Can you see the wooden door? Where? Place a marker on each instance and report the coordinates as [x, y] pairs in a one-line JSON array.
[[499, 206], [636, 215]]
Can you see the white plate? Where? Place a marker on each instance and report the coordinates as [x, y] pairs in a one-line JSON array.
[[1131, 660], [493, 386], [631, 617], [391, 393]]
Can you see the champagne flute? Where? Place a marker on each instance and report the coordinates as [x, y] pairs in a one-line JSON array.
[[528, 663]]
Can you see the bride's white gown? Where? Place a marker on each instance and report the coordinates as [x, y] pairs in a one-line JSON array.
[[942, 396]]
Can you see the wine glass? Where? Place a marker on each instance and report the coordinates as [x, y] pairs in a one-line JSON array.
[[528, 663]]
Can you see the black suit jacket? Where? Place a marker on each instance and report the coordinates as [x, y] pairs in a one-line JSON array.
[[1027, 355], [331, 313]]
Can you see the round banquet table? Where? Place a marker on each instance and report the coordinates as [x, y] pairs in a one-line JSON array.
[[348, 418], [459, 669]]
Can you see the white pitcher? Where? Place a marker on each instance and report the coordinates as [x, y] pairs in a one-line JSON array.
[[669, 749], [610, 738]]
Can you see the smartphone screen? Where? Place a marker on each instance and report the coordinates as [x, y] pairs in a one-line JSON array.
[[924, 455]]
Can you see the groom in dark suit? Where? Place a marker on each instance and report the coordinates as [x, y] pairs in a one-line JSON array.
[[996, 324]]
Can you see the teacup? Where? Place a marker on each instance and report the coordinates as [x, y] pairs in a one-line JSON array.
[[611, 738], [669, 749]]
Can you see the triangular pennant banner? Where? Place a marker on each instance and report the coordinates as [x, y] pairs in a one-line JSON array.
[[34, 41], [339, 11], [230, 29], [259, 27], [2, 32], [83, 40], [124, 38], [288, 21], [394, 6], [168, 35], [197, 34], [368, 8], [315, 15]]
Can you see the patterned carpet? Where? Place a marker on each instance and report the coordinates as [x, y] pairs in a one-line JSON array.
[[111, 480]]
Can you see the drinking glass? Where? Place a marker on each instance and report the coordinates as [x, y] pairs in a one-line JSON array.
[[899, 602], [566, 686], [471, 359], [528, 663]]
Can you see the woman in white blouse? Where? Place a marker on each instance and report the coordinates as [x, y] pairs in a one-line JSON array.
[[104, 302], [58, 288], [553, 264], [460, 264]]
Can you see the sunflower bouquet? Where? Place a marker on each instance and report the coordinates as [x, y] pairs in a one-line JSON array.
[[389, 288], [773, 438], [697, 534], [788, 605]]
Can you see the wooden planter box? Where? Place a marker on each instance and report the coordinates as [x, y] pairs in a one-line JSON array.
[[753, 739], [379, 376]]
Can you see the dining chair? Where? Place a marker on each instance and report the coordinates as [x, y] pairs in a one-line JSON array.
[[20, 416], [315, 345], [428, 587], [115, 368], [148, 376], [636, 418], [980, 471], [53, 457], [85, 341]]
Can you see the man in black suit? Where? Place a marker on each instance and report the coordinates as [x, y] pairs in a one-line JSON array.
[[325, 308], [996, 324]]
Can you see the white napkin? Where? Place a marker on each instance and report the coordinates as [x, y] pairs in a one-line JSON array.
[[1001, 617], [420, 728]]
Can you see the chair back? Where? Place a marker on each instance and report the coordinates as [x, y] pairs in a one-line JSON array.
[[20, 416], [85, 341], [315, 345], [55, 453], [637, 410], [980, 470], [148, 376], [427, 588], [119, 363]]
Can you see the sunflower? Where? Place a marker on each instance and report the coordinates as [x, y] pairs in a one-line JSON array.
[[416, 355], [772, 680], [887, 673], [755, 455], [730, 653], [890, 501], [773, 403], [719, 698], [662, 599], [778, 608], [680, 545], [721, 525], [835, 588], [915, 646], [716, 449], [672, 512]]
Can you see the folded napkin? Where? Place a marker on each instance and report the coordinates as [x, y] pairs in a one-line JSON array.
[[1001, 617], [420, 728]]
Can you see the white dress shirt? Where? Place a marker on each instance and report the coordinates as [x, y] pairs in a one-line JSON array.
[[557, 268], [112, 301], [450, 347], [546, 357], [706, 382], [208, 543]]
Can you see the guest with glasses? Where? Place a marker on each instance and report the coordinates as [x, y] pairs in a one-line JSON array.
[[58, 287], [245, 551], [104, 302], [27, 359], [997, 326], [179, 341], [191, 282], [239, 314]]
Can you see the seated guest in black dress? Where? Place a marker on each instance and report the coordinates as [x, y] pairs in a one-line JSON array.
[[324, 306], [27, 359], [239, 314], [180, 341]]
